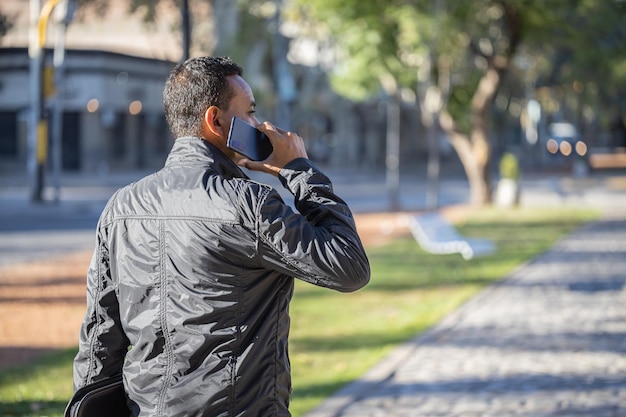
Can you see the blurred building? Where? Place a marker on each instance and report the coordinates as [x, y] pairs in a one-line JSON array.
[[112, 111], [114, 71], [113, 74]]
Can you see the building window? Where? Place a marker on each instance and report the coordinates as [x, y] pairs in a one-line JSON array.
[[8, 134], [118, 138]]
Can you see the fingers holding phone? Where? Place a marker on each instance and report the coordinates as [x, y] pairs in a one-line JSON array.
[[286, 146]]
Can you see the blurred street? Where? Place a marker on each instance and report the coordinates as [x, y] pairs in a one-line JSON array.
[[31, 231]]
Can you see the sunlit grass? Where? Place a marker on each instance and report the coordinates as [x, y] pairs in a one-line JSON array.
[[39, 389], [336, 337]]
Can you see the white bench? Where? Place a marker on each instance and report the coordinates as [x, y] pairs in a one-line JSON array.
[[436, 235]]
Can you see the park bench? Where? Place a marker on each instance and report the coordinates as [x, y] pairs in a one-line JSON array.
[[436, 235]]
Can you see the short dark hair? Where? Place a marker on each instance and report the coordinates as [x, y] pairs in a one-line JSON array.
[[192, 87]]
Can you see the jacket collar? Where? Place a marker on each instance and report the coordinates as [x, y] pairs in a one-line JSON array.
[[194, 151]]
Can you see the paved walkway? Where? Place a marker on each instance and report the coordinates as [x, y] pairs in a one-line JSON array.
[[549, 340]]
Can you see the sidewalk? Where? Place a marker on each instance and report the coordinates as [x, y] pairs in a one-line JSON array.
[[31, 231], [549, 340]]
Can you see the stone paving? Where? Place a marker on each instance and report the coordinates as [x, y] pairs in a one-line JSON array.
[[549, 340]]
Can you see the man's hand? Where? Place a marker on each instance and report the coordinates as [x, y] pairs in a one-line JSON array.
[[287, 147]]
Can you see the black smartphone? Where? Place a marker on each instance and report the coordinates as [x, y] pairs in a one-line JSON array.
[[248, 140]]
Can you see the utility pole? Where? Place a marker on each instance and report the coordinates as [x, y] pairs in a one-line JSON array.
[[392, 141], [63, 16], [283, 77], [38, 129], [392, 159], [34, 52], [186, 29], [433, 107]]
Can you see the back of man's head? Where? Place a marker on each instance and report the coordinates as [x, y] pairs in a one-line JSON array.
[[192, 87]]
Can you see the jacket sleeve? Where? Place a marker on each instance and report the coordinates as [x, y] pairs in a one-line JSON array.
[[319, 243], [102, 342]]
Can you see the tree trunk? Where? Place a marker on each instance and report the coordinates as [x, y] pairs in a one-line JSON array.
[[475, 174], [475, 151], [479, 137]]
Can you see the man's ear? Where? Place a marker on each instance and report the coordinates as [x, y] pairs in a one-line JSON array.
[[213, 123]]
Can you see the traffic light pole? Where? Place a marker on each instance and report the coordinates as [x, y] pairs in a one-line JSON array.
[[38, 127]]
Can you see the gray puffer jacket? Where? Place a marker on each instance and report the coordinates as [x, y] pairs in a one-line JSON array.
[[189, 286]]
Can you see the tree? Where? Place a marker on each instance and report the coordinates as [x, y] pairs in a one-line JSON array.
[[503, 23], [467, 50], [397, 45], [586, 64]]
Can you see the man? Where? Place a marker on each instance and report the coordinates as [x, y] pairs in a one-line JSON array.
[[189, 287]]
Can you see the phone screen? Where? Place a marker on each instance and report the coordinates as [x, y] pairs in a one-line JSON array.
[[248, 141]]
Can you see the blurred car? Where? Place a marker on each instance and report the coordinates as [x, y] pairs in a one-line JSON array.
[[565, 142]]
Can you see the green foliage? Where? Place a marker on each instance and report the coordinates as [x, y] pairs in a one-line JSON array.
[[458, 101], [563, 41], [582, 42], [336, 337], [372, 40]]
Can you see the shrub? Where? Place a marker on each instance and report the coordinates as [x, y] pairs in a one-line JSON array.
[[509, 166]]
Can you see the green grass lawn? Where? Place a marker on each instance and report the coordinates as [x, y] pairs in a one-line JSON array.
[[336, 337]]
